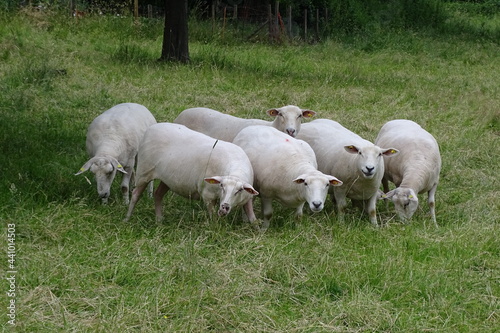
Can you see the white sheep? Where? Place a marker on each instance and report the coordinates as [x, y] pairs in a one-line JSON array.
[[195, 166], [352, 159], [285, 170], [112, 142], [225, 127], [415, 170]]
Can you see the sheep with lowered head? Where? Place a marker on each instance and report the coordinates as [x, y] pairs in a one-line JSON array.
[[112, 142], [196, 166], [352, 159], [225, 127], [285, 170], [415, 170]]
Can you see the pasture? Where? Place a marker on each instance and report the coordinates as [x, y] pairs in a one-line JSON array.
[[80, 268]]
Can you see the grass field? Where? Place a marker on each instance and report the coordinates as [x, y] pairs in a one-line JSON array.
[[80, 268]]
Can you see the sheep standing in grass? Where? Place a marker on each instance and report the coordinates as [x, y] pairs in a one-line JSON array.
[[194, 166], [415, 170], [285, 169], [112, 142], [352, 159], [225, 127]]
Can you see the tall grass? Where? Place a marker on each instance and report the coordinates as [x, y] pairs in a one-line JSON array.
[[81, 268]]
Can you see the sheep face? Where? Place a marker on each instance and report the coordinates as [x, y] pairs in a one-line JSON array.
[[232, 192], [104, 170], [104, 173], [287, 119], [315, 189], [405, 202], [369, 160]]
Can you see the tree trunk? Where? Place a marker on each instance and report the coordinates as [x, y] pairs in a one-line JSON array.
[[175, 36]]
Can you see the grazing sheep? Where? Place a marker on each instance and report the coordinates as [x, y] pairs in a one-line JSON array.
[[415, 170], [354, 160], [225, 127], [112, 142], [194, 166], [285, 169]]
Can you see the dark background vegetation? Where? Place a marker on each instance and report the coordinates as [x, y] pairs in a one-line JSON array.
[[336, 16]]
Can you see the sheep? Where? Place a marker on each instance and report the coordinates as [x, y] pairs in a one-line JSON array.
[[112, 142], [195, 166], [285, 169], [354, 160], [225, 127], [415, 170]]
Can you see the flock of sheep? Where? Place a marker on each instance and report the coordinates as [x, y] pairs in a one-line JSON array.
[[225, 160]]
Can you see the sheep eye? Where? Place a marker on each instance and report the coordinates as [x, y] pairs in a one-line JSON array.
[[238, 191], [305, 184]]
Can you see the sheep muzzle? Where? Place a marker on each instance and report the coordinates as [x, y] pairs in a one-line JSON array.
[[224, 209]]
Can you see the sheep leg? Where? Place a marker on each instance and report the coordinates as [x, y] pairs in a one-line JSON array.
[[125, 183], [432, 203], [341, 202], [150, 188], [210, 207], [267, 211], [136, 194], [248, 211], [372, 210], [299, 211], [385, 184], [160, 192]]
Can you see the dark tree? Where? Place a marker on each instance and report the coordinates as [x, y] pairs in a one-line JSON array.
[[175, 36]]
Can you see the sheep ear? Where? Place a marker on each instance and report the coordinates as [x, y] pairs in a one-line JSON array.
[[390, 152], [273, 112], [389, 194], [85, 167], [249, 188], [308, 113], [299, 180], [381, 195], [351, 149], [213, 180], [117, 165], [334, 181]]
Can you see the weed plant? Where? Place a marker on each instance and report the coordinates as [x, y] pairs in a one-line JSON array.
[[80, 268]]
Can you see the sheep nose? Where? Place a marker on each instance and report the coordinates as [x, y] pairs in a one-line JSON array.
[[291, 132], [317, 204], [224, 209], [104, 198], [370, 169]]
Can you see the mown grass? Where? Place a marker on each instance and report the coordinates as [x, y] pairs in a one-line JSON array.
[[81, 268]]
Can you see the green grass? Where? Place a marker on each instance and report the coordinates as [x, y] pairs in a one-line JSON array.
[[82, 269]]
